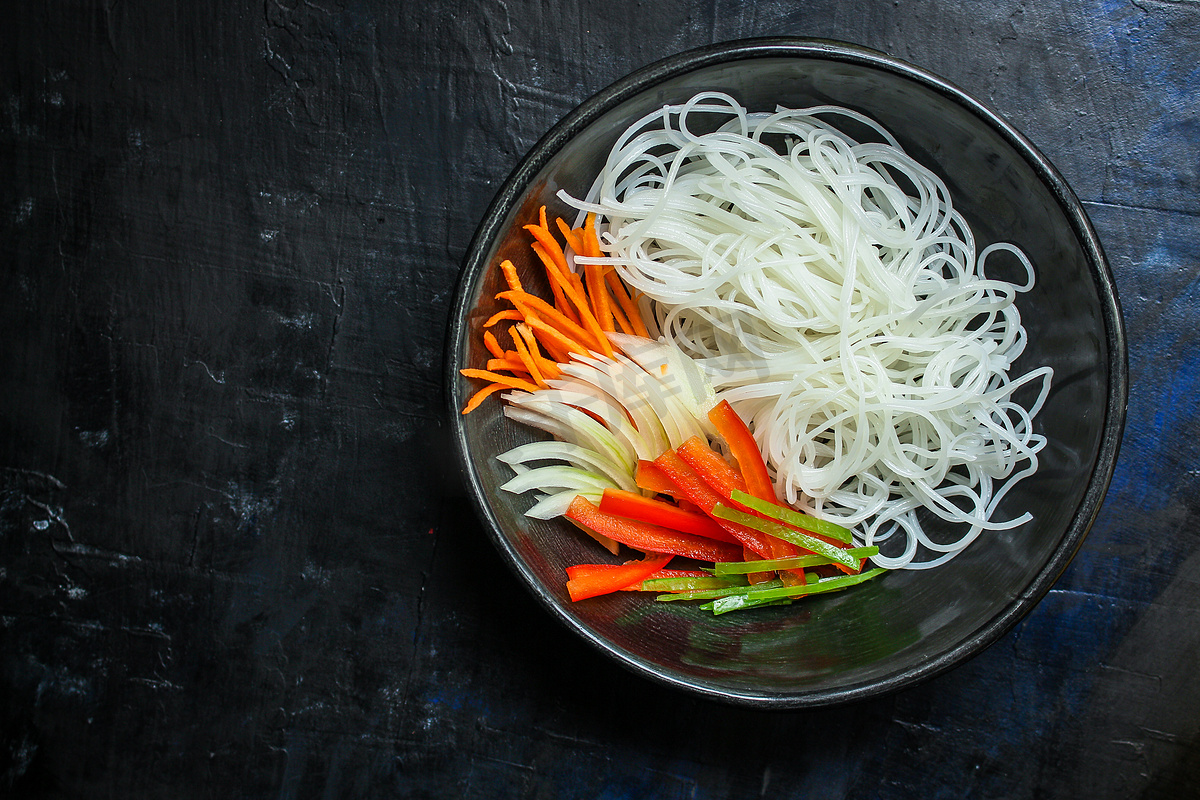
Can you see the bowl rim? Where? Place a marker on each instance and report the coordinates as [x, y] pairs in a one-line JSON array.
[[1116, 401]]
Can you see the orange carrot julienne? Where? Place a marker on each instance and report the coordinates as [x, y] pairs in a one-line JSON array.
[[555, 260], [591, 242], [594, 276], [496, 377], [510, 274], [557, 348], [553, 316], [592, 273], [547, 367], [619, 315], [559, 279], [550, 245], [510, 364], [575, 294], [628, 305], [530, 365], [561, 303], [492, 344], [482, 395], [500, 316], [555, 339], [571, 236]]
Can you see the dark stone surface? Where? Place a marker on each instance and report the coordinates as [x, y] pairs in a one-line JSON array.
[[235, 558]]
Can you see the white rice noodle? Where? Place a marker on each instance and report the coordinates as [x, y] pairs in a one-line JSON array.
[[830, 291]]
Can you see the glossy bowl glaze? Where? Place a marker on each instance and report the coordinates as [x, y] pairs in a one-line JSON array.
[[905, 626]]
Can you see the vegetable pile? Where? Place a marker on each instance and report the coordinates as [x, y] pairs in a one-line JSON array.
[[633, 460]]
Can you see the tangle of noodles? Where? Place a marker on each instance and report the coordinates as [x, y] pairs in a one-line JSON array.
[[836, 299]]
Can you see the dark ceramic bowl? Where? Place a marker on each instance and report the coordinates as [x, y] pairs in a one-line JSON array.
[[906, 626]]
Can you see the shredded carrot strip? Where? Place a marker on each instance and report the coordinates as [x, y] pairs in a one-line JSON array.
[[594, 276], [510, 364], [492, 344], [510, 275], [619, 316], [591, 242], [556, 349], [554, 271], [553, 316], [571, 236], [550, 244], [627, 304], [556, 279], [559, 284], [561, 302], [496, 377], [555, 339], [500, 316], [553, 250], [586, 318], [481, 395], [576, 281], [530, 365], [549, 369]]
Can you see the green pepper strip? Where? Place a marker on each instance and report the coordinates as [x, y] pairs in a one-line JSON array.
[[754, 598], [710, 605], [685, 584], [725, 568], [836, 555], [710, 594], [792, 517]]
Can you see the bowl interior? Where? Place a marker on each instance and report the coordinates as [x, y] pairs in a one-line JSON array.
[[908, 624]]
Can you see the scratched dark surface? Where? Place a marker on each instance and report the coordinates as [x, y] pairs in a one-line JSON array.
[[235, 556]]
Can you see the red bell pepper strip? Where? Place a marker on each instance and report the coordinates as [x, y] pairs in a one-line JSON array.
[[653, 479], [744, 449], [583, 570], [696, 491], [656, 512], [595, 583], [711, 466], [646, 537], [578, 570], [717, 473]]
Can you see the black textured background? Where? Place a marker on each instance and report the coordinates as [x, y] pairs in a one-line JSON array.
[[235, 557]]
